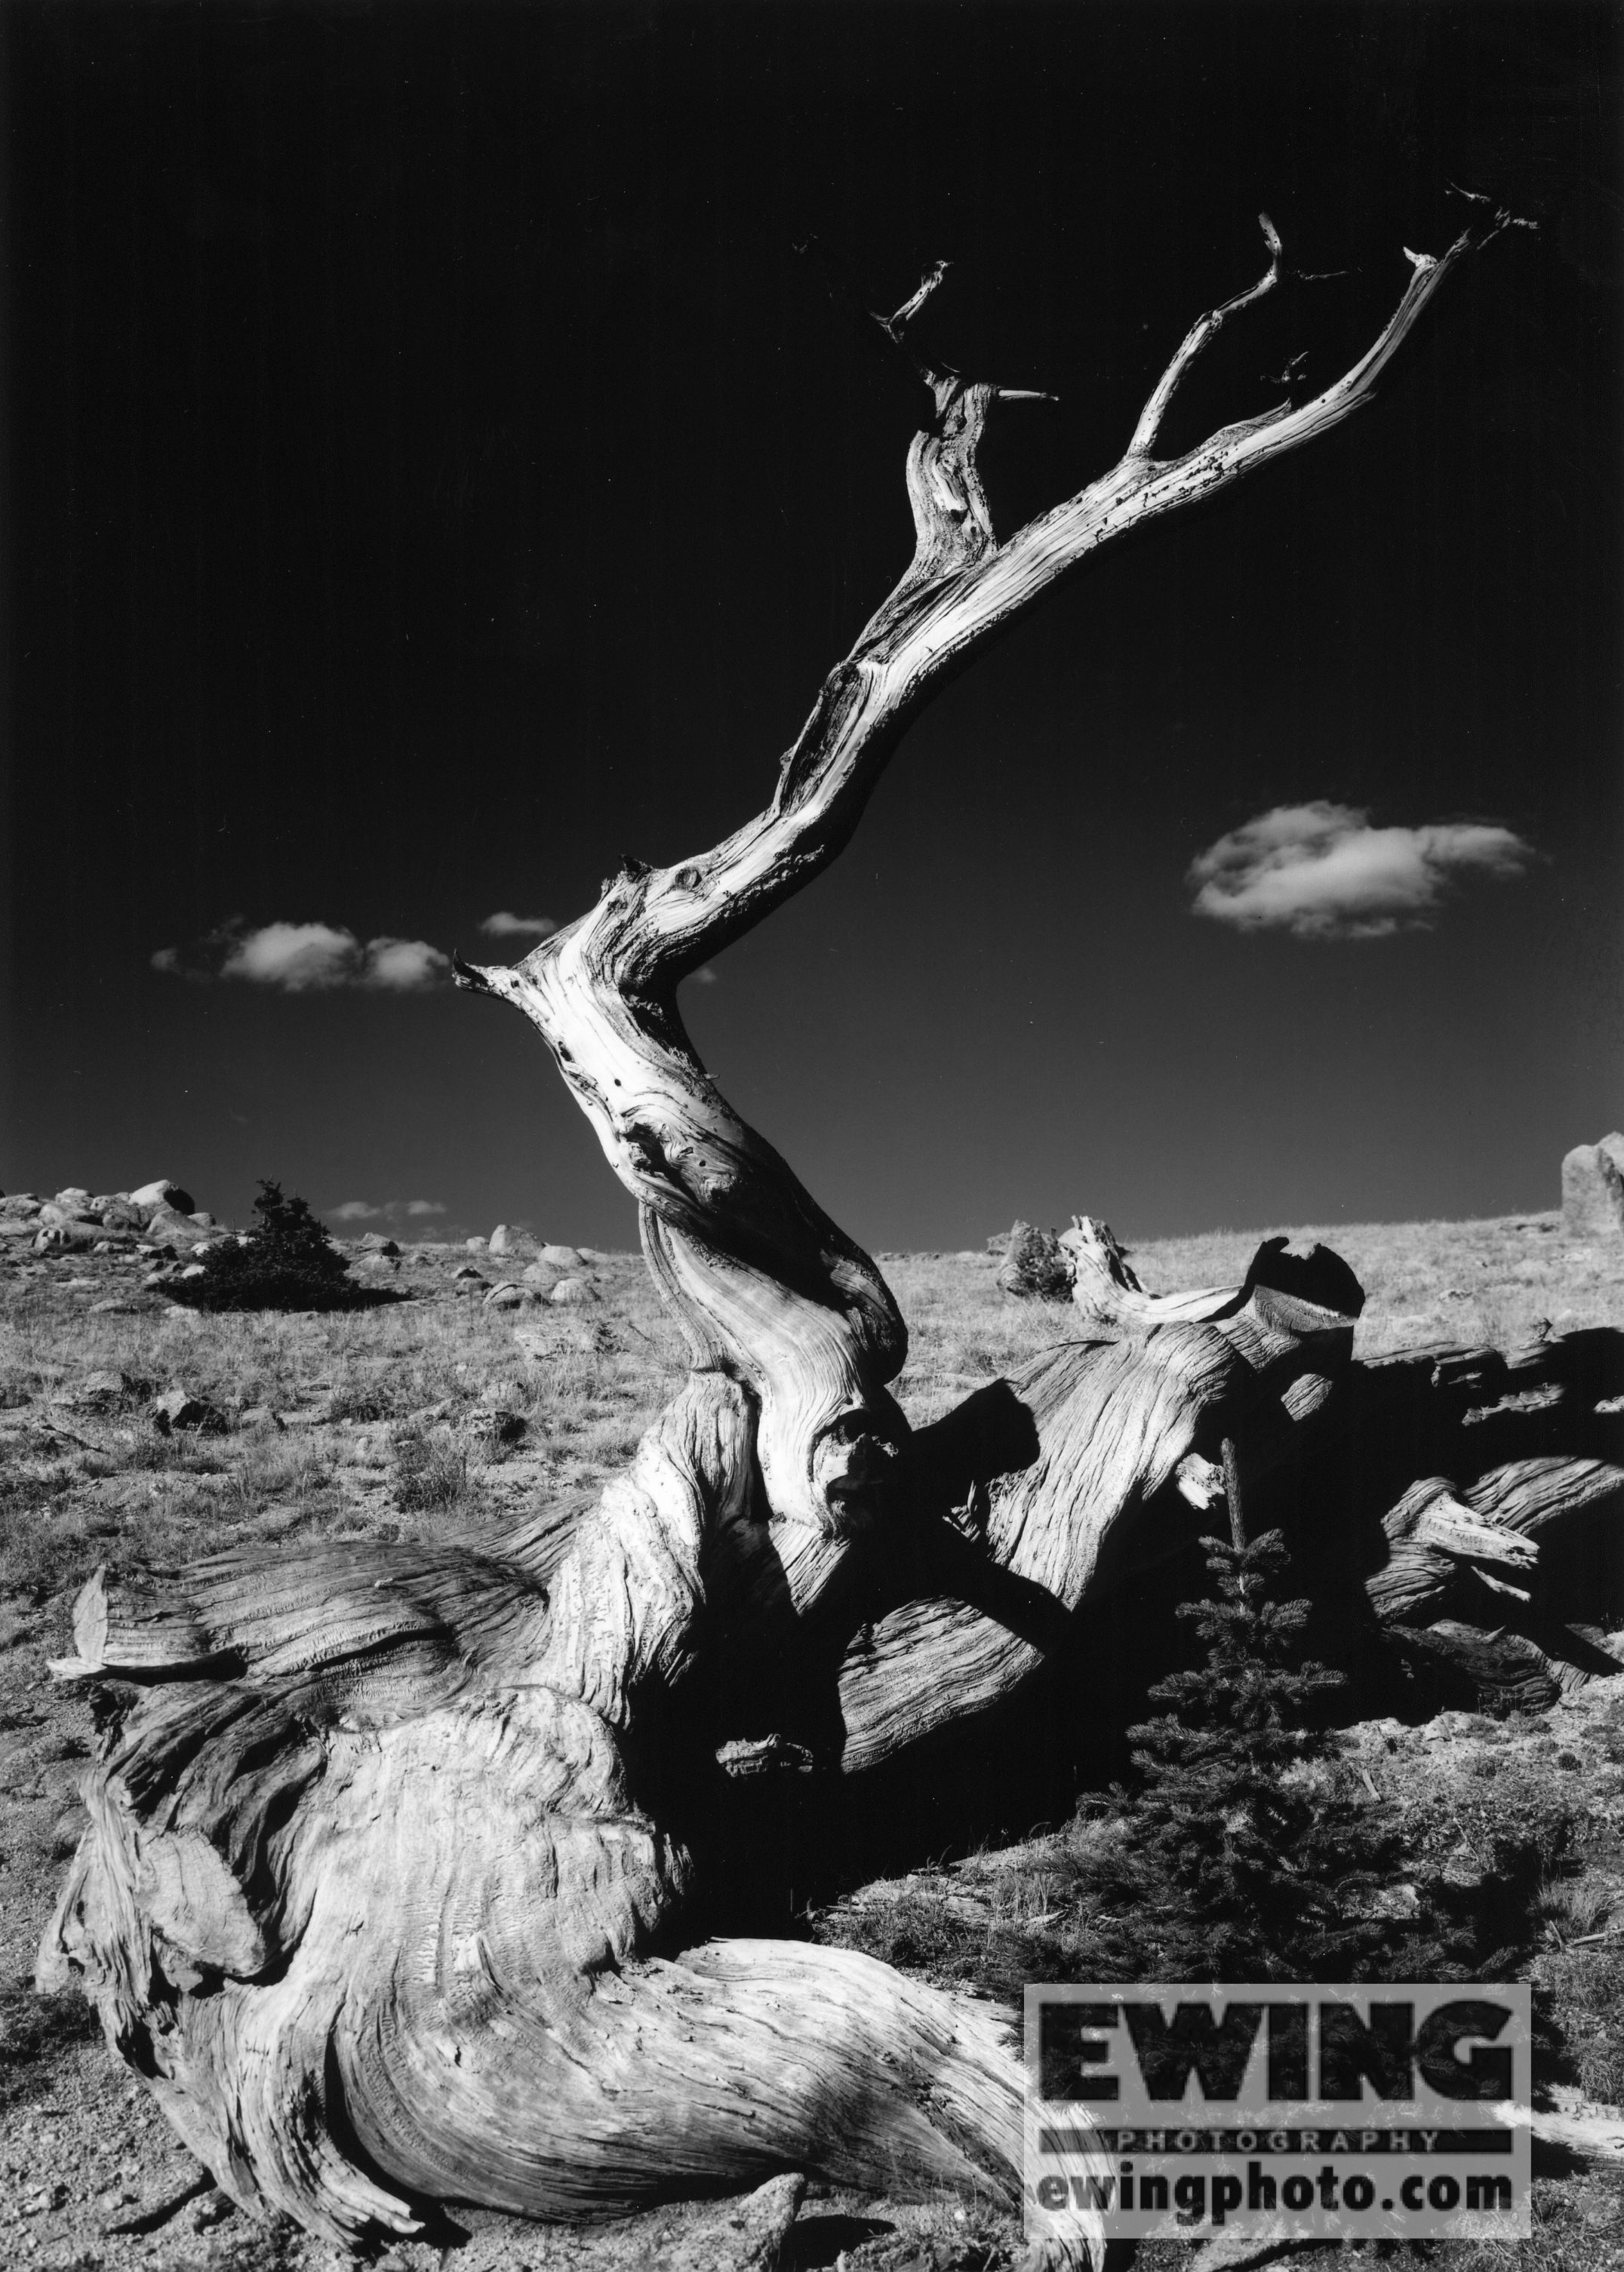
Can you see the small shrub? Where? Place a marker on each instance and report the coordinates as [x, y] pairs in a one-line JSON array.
[[431, 1475], [287, 1263]]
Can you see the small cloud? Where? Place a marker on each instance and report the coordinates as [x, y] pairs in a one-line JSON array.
[[307, 958], [384, 1211], [1321, 871], [403, 966], [299, 958], [503, 925]]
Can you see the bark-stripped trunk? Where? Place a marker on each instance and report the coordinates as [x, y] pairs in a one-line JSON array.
[[391, 1865]]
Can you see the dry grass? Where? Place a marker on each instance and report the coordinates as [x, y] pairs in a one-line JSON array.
[[426, 1416]]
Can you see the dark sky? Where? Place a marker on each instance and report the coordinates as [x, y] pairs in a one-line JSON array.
[[434, 473]]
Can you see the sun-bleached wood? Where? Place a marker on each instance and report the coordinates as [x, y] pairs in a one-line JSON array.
[[389, 1880]]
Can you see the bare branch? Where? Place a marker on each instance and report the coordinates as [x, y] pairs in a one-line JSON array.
[[765, 1284], [912, 306], [1198, 338]]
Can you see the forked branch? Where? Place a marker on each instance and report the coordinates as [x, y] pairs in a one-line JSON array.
[[766, 1286]]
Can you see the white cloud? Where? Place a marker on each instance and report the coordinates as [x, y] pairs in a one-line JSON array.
[[386, 1211], [403, 966], [298, 957], [503, 925], [307, 958], [1321, 871]]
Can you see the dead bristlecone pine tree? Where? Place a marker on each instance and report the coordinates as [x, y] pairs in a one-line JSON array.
[[394, 1891]]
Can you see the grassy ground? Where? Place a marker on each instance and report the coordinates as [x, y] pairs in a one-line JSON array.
[[428, 1415]]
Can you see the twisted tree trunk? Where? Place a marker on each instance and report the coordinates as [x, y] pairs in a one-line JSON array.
[[391, 1868]]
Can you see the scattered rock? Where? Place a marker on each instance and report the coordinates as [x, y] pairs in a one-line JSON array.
[[1593, 1189], [562, 1258], [475, 1245], [175, 1409], [67, 1237], [101, 1392], [468, 1271], [571, 1293], [258, 1415], [114, 1309], [168, 1227], [375, 1243], [1035, 1267], [75, 1199], [543, 1275], [161, 1194], [540, 1341], [505, 1296]]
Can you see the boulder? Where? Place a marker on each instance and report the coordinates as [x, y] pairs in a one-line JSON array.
[[505, 1296], [66, 1237], [375, 1243], [177, 1409], [476, 1245], [168, 1227], [545, 1276], [1593, 1191], [119, 1214], [563, 1258], [502, 1241], [162, 1193], [20, 1204], [573, 1293], [1035, 1267], [75, 1199], [201, 1216]]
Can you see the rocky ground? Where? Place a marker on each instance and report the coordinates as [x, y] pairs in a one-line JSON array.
[[134, 1431]]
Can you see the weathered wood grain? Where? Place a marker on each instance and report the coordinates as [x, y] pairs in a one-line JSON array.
[[387, 1883]]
